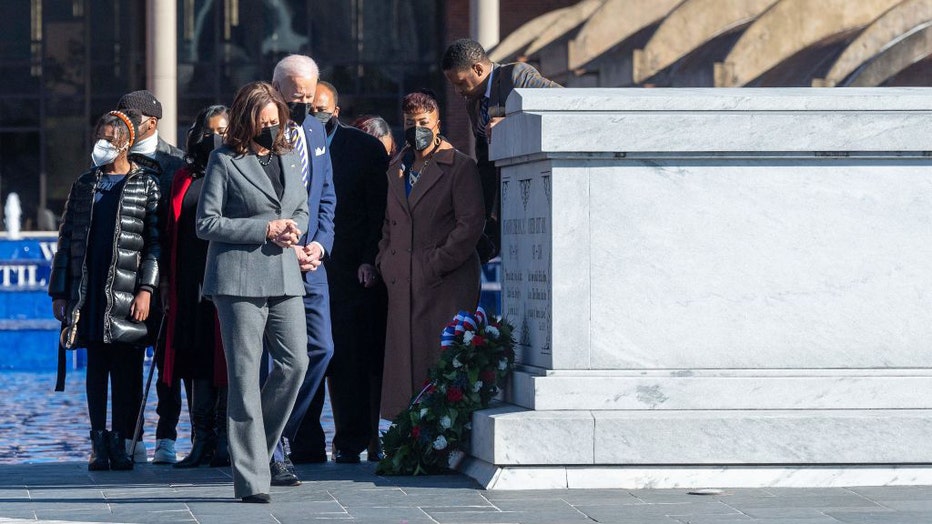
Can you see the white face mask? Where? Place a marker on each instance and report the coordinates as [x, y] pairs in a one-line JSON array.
[[146, 146], [104, 153]]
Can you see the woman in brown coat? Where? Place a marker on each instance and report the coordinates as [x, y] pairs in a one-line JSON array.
[[427, 255]]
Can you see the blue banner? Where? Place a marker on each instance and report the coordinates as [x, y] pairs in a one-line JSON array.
[[26, 263]]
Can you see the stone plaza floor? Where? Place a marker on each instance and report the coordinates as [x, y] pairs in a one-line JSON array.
[[67, 492]]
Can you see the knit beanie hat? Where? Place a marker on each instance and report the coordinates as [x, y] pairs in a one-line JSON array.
[[142, 101]]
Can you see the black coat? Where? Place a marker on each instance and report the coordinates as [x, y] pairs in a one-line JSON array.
[[359, 166], [135, 245]]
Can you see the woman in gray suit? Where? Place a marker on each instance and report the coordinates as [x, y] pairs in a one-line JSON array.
[[252, 207]]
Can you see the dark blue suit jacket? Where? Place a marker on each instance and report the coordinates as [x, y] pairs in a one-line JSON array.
[[321, 203], [321, 198]]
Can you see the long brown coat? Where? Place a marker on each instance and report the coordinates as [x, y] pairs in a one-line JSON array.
[[428, 261]]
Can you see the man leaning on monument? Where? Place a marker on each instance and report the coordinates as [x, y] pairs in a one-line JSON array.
[[486, 85]]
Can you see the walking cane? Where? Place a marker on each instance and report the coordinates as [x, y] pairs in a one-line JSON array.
[[145, 395]]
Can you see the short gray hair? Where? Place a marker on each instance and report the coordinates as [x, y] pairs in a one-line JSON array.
[[301, 66]]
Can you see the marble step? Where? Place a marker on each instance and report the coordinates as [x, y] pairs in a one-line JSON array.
[[726, 389], [510, 435]]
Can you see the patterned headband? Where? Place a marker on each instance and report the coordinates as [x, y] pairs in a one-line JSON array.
[[129, 125]]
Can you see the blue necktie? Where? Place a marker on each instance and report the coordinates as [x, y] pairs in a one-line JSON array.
[[483, 116], [297, 138]]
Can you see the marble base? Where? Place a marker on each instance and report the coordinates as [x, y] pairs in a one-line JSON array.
[[673, 477], [511, 436], [714, 288]]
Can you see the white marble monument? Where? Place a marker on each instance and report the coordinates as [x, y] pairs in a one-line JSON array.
[[714, 288]]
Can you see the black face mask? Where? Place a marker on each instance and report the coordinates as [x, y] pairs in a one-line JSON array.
[[266, 137], [323, 117], [201, 150], [419, 137], [299, 111]]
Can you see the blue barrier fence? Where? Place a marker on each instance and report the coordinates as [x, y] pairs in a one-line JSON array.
[[29, 332]]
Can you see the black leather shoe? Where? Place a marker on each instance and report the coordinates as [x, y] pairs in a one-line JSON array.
[[258, 498], [345, 457], [374, 456], [281, 476], [308, 458]]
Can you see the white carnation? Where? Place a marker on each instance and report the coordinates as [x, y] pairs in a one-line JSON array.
[[457, 363], [502, 364], [445, 422], [477, 385], [423, 412], [440, 443], [467, 337], [492, 331]]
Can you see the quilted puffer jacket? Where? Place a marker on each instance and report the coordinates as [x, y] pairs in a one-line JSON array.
[[135, 246]]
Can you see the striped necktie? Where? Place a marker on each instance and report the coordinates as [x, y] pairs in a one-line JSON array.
[[297, 138]]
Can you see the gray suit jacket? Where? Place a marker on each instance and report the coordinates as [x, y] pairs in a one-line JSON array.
[[236, 204], [505, 79]]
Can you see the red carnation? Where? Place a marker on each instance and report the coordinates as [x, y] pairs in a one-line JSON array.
[[454, 394], [487, 375], [416, 431], [477, 340]]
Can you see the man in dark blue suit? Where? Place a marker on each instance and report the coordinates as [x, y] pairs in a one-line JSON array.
[[295, 77]]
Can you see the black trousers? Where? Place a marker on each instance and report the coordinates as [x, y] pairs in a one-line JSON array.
[[121, 366], [354, 376], [169, 401]]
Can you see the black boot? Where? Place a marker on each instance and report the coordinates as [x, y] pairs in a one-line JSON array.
[[119, 460], [221, 458], [100, 454], [203, 446]]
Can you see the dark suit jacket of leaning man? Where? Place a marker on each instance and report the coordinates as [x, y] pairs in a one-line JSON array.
[[503, 79]]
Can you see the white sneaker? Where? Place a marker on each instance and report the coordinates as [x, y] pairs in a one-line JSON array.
[[164, 452], [140, 456]]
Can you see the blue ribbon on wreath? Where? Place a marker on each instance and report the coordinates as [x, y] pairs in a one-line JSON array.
[[461, 323]]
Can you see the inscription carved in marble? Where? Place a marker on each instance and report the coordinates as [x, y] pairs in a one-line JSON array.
[[526, 245]]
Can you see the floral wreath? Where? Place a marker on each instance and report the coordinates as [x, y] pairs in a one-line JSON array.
[[478, 354]]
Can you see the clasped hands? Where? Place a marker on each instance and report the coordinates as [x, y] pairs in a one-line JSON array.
[[283, 232]]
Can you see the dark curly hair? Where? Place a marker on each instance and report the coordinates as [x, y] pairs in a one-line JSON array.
[[462, 54], [120, 129]]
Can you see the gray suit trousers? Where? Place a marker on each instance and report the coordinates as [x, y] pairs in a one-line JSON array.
[[256, 417]]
